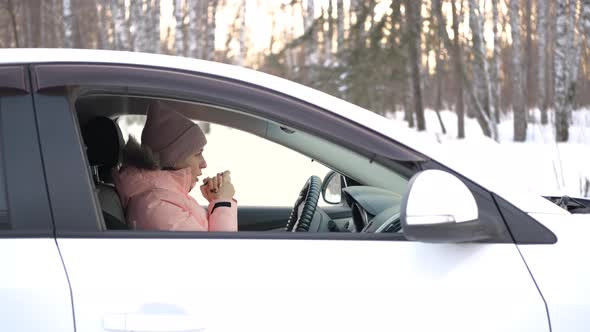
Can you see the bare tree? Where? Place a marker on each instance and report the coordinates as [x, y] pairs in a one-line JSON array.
[[408, 106], [153, 28], [68, 24], [102, 31], [340, 25], [329, 35], [179, 15], [561, 117], [308, 22], [414, 27], [14, 27], [495, 65], [27, 32], [138, 24], [193, 29], [586, 18], [518, 102], [211, 26], [439, 60], [541, 46], [459, 71], [574, 54], [44, 6], [243, 50], [121, 31], [53, 28], [484, 95], [528, 51]]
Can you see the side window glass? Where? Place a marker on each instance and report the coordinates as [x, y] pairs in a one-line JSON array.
[[264, 173]]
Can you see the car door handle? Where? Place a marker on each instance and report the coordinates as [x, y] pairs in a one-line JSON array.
[[150, 323]]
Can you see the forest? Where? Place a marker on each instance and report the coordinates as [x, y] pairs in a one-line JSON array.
[[489, 60]]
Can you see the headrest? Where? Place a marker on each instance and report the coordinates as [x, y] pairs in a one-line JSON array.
[[104, 142]]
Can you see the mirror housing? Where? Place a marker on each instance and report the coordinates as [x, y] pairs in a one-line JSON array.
[[332, 188], [438, 207]]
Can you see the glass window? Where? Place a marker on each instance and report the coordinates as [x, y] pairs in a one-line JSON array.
[[263, 173]]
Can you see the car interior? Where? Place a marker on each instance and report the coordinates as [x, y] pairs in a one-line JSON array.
[[364, 195]]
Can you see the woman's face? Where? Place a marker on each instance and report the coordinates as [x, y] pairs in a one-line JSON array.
[[196, 162]]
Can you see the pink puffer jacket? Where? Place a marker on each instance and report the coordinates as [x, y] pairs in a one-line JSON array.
[[159, 200]]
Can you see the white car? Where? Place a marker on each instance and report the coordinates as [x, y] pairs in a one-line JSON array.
[[402, 243]]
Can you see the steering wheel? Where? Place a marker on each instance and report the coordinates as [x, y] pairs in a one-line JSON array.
[[305, 205]]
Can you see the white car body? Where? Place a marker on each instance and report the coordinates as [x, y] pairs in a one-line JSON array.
[[233, 284]]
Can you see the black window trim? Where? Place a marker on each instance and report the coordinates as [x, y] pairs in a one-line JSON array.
[[28, 205]]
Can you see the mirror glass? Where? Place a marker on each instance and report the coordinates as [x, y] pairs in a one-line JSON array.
[[332, 188]]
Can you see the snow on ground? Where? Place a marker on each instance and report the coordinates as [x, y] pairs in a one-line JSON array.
[[267, 174], [540, 165]]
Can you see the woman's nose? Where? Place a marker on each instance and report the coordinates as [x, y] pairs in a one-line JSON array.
[[203, 164]]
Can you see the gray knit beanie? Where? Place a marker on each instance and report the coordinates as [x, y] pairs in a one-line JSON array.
[[170, 135]]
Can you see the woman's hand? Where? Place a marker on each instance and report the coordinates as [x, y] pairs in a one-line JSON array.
[[218, 187]]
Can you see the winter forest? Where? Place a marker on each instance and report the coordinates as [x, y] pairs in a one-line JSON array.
[[479, 58], [464, 74]]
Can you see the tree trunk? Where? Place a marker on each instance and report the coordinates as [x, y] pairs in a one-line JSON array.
[[518, 103], [528, 57], [153, 28], [179, 14], [460, 72], [43, 26], [439, 73], [414, 28], [574, 55], [52, 24], [243, 50], [340, 25], [101, 34], [330, 34], [193, 28], [36, 21], [203, 28], [26, 25], [586, 17], [121, 28], [68, 24], [13, 24], [495, 67], [542, 66], [561, 119], [408, 86], [211, 26], [137, 21], [481, 68], [310, 47]]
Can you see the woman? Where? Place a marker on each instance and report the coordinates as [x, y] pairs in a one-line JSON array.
[[156, 177]]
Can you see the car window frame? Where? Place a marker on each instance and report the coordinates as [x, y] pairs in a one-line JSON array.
[[28, 208], [55, 79]]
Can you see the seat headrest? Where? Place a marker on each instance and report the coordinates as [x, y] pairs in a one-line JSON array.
[[104, 142]]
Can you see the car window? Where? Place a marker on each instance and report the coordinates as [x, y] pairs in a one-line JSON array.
[[264, 173]]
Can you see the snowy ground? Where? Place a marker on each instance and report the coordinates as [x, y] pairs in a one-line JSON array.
[[539, 165]]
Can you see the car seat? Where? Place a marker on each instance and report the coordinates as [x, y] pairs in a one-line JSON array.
[[104, 144]]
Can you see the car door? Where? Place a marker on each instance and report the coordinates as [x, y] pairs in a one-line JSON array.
[[34, 290], [262, 281]]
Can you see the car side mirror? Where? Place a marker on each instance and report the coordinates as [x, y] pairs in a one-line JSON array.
[[332, 188], [438, 207]]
